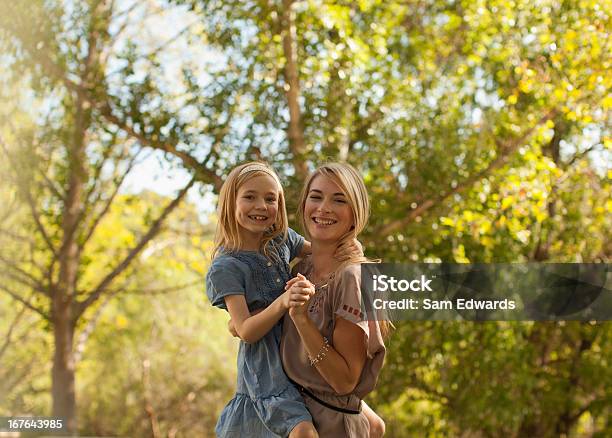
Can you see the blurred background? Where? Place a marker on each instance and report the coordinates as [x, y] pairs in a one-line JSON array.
[[482, 130]]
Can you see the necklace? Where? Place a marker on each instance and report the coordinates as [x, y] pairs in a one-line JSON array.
[[321, 288], [322, 280]]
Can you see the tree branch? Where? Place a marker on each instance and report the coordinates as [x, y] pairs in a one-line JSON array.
[[91, 324], [164, 290], [16, 236], [580, 155], [26, 303], [96, 173], [204, 174], [24, 277], [9, 333], [54, 189], [31, 204], [155, 227], [39, 225], [505, 150], [109, 202], [103, 103]]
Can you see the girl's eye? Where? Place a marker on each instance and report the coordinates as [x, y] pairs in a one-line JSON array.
[[314, 197], [271, 200], [341, 201], [248, 196]]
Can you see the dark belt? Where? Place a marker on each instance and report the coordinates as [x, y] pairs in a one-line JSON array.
[[324, 403]]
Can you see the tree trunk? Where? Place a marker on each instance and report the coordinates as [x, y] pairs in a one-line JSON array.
[[64, 401], [295, 133], [63, 379], [339, 108], [552, 150]]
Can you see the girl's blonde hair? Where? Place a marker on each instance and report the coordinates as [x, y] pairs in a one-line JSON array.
[[350, 181], [227, 235]]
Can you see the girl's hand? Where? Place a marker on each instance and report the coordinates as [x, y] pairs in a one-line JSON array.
[[298, 292], [349, 249], [300, 283], [231, 328], [293, 281]]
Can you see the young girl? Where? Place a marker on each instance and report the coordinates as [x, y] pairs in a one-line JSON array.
[[250, 267]]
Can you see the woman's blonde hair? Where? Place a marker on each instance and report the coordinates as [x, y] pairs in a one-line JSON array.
[[350, 181], [227, 235]]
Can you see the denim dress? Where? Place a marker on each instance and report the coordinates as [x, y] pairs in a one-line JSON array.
[[266, 404]]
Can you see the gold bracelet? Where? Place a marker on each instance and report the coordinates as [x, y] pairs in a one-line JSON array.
[[322, 352]]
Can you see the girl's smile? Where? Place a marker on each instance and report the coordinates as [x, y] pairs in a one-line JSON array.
[[257, 205]]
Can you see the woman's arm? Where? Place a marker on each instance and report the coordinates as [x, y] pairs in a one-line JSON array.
[[343, 363], [251, 328]]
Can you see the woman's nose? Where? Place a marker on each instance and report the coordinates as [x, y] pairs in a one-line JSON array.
[[325, 206]]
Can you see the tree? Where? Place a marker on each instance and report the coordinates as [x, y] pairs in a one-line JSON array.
[[482, 130], [67, 168]]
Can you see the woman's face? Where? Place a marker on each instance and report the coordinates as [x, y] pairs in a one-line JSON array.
[[327, 212]]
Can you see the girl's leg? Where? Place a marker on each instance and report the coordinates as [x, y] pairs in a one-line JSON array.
[[305, 429], [377, 425]]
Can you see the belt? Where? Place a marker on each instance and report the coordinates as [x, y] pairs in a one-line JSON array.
[[324, 403]]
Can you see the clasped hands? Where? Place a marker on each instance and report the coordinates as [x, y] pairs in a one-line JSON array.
[[299, 289]]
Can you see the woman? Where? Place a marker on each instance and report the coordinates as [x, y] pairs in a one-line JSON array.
[[328, 349]]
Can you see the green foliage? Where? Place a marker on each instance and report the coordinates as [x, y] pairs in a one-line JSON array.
[[495, 379], [166, 353], [483, 133], [157, 316]]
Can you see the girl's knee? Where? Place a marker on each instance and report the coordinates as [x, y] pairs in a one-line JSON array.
[[304, 429], [377, 427]]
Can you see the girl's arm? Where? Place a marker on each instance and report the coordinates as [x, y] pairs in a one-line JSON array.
[[306, 249], [251, 328], [343, 252], [342, 364], [232, 329]]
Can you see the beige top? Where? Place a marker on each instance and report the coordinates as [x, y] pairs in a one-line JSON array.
[[340, 298]]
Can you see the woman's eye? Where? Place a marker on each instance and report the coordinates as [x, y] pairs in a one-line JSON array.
[[248, 196], [271, 200], [315, 197]]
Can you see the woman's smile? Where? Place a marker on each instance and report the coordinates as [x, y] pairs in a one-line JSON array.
[[323, 221], [329, 212]]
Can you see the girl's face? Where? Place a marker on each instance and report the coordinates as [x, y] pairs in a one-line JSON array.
[[327, 212], [257, 204]]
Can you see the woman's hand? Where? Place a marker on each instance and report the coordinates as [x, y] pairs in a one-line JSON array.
[[348, 249]]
